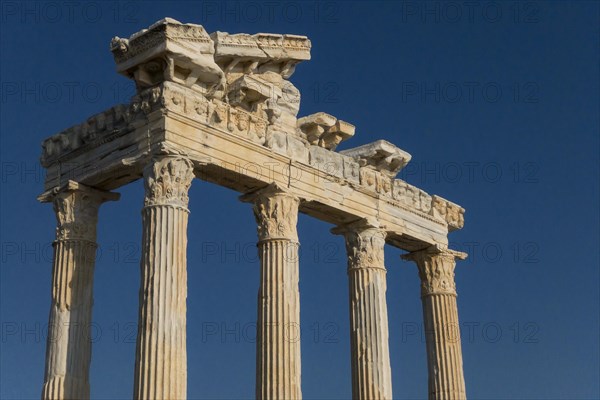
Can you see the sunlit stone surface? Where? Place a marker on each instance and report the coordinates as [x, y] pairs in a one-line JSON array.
[[206, 105]]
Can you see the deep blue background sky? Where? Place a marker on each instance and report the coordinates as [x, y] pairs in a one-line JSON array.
[[523, 161]]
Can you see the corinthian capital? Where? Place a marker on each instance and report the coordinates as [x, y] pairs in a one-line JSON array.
[[76, 207], [276, 212], [436, 269], [167, 180], [365, 241]]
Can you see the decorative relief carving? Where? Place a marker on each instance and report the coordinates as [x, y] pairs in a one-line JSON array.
[[325, 130], [381, 155], [436, 269], [451, 213], [276, 213], [76, 207], [365, 241], [104, 126], [167, 180], [169, 51]]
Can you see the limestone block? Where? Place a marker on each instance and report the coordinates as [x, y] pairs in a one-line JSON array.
[[297, 149], [336, 134], [274, 52], [325, 130], [368, 178], [451, 213], [247, 91], [314, 125], [351, 170], [169, 50], [380, 155], [327, 161], [277, 141]]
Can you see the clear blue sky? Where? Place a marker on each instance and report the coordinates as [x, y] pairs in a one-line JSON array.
[[497, 102]]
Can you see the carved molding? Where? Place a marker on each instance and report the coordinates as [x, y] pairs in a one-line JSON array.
[[436, 269], [167, 180], [365, 241], [276, 213], [76, 207]]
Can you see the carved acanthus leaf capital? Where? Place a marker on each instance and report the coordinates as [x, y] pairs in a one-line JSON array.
[[365, 241], [167, 180], [276, 213], [436, 269], [76, 207]]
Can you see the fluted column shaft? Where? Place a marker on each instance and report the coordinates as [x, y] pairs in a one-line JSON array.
[[278, 366], [161, 358], [69, 348], [440, 316], [370, 356]]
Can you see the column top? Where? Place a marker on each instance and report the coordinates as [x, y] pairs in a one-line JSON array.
[[358, 225], [272, 189], [433, 251], [72, 186]]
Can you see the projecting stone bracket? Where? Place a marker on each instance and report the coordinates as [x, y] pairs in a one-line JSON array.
[[325, 130], [380, 155], [169, 51]]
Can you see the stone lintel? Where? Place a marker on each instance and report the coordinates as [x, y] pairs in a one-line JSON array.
[[380, 155]]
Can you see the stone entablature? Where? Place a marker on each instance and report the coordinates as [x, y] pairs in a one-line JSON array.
[[352, 168]]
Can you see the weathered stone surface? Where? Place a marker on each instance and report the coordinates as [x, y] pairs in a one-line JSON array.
[[161, 357], [370, 358], [69, 348], [169, 50], [325, 130], [440, 312], [278, 365], [221, 107], [380, 155]]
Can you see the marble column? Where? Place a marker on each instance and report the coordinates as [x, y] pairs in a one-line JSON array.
[[370, 355], [69, 347], [161, 358], [440, 315], [278, 368]]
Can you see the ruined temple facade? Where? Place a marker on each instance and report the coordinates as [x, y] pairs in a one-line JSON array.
[[207, 104]]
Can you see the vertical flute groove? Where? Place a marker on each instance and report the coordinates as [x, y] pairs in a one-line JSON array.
[[161, 359], [69, 347], [370, 361], [278, 366], [440, 314]]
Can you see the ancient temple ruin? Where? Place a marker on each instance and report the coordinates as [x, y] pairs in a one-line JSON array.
[[220, 107]]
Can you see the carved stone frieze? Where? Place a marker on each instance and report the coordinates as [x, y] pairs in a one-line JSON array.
[[451, 213], [167, 180]]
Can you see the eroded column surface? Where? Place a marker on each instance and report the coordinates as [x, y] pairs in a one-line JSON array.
[[278, 367], [69, 347], [440, 315], [370, 356], [161, 358]]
